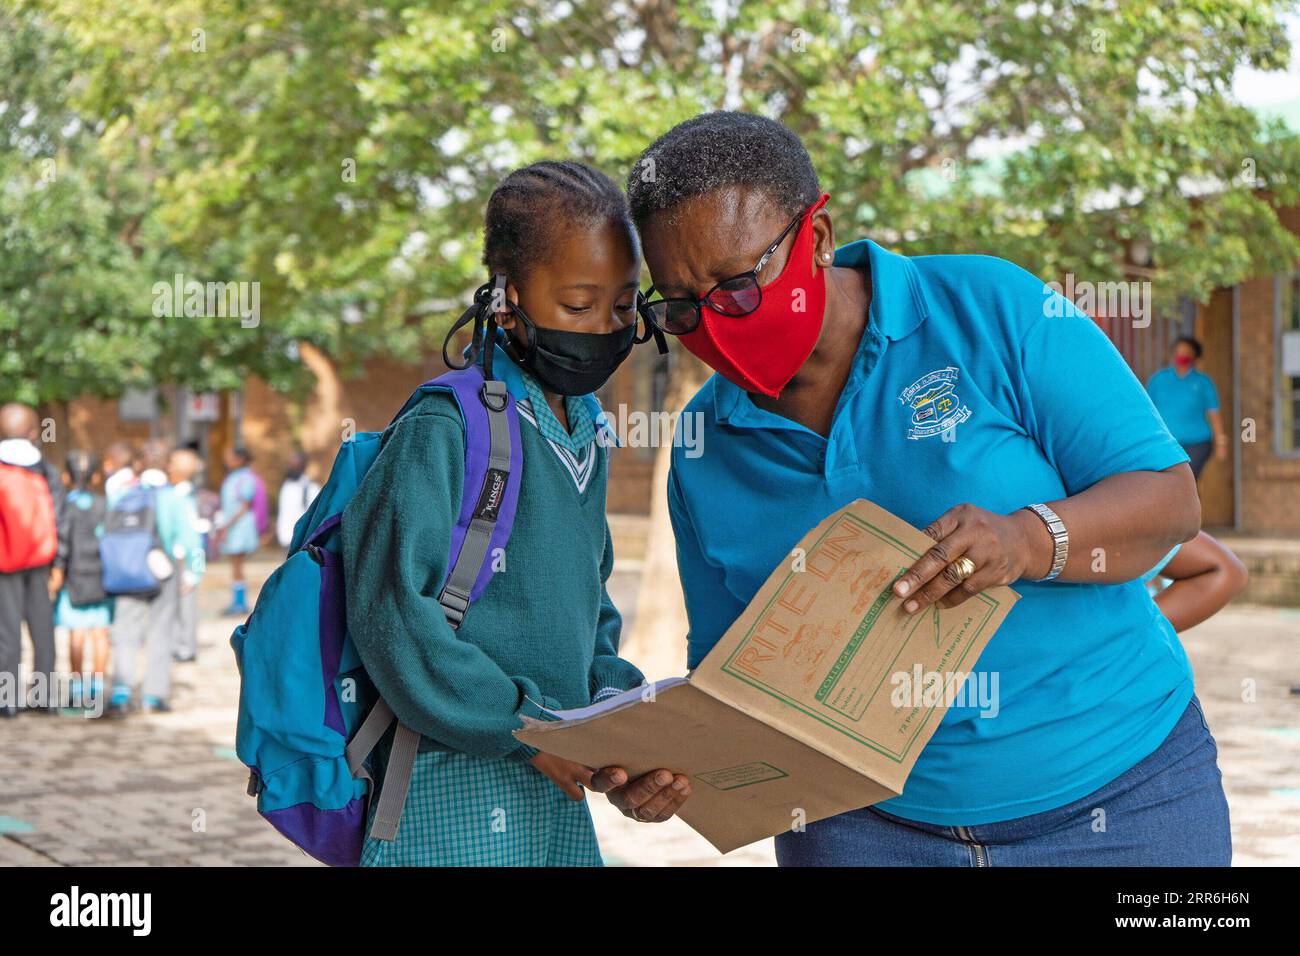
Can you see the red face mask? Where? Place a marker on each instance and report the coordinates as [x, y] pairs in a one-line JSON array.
[[1183, 361], [761, 351]]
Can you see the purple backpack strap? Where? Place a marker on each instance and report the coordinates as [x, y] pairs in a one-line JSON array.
[[493, 474]]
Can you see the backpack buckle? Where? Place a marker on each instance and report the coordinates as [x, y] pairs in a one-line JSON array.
[[254, 783], [454, 605], [494, 395], [314, 552]]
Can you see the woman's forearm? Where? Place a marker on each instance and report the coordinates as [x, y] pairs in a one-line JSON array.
[[1216, 425], [1121, 526]]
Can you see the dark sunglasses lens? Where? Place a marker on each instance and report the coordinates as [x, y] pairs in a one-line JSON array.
[[738, 296]]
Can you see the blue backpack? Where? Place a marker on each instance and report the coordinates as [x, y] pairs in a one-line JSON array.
[[309, 717], [130, 533]]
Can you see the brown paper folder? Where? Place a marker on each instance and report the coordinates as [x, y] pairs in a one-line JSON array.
[[810, 704]]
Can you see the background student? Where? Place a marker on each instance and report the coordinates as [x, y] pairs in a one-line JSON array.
[[180, 524], [82, 606], [296, 495], [237, 534], [142, 620], [30, 494]]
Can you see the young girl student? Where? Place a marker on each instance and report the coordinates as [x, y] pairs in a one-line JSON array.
[[544, 633], [238, 532], [81, 604]]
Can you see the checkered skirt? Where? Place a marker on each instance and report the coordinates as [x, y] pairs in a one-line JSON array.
[[466, 811]]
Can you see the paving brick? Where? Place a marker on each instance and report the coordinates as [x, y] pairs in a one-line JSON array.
[[123, 792]]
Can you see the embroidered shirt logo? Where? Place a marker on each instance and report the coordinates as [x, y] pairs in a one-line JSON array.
[[936, 407]]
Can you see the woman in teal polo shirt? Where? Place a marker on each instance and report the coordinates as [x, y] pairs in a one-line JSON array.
[[963, 396], [1188, 402]]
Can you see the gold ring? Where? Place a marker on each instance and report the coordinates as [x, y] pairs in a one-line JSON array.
[[965, 567]]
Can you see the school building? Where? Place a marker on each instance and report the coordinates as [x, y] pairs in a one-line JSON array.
[[272, 425], [1251, 335]]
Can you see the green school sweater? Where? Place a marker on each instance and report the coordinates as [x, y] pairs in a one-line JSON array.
[[544, 631]]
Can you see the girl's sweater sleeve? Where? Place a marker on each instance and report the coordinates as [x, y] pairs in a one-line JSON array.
[[610, 674], [396, 534]]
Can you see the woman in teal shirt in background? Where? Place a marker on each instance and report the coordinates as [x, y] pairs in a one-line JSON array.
[[965, 397], [1188, 402]]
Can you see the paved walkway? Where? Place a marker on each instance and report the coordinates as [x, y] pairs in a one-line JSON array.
[[167, 789]]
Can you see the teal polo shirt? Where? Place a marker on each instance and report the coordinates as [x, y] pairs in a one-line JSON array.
[[1036, 405], [1182, 401]]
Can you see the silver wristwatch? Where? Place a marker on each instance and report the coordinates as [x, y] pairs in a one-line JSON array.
[[1060, 538]]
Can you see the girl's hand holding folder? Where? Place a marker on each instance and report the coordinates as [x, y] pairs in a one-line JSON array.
[[569, 776]]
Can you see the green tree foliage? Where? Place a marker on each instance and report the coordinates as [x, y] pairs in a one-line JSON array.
[[84, 239], [339, 152]]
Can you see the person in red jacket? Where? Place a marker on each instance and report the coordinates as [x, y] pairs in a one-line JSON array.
[[28, 540]]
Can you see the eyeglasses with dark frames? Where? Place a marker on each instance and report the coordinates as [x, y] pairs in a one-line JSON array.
[[736, 296]]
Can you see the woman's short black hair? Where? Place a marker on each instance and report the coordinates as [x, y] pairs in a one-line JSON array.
[[1194, 343], [532, 204], [720, 150]]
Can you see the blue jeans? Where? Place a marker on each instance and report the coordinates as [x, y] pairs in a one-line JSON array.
[[1168, 810]]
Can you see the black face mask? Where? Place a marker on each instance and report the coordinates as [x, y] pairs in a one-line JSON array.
[[569, 363]]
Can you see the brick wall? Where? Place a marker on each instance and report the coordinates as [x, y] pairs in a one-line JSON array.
[[273, 425], [1270, 484]]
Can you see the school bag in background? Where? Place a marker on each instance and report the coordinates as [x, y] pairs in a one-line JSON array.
[[309, 716], [28, 531], [84, 573], [133, 558], [259, 506]]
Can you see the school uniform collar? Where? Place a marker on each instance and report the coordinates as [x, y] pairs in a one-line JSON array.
[[505, 369], [898, 307], [582, 427]]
